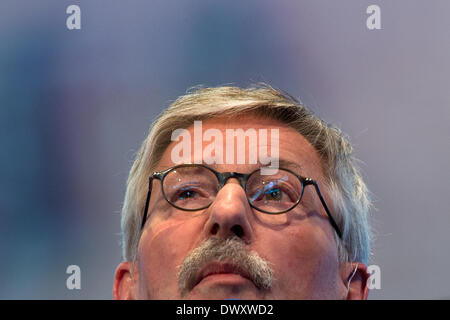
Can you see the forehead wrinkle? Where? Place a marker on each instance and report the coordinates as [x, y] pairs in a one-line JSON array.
[[283, 163]]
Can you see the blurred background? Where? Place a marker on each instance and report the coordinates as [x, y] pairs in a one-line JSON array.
[[75, 106]]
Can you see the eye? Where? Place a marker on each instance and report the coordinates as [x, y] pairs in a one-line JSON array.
[[274, 194], [187, 194]]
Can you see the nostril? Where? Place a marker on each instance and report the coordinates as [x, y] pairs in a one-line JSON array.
[[237, 230], [214, 229]]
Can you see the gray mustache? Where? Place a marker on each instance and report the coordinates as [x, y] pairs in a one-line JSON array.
[[230, 250]]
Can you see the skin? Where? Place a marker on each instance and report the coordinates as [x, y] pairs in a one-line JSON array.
[[299, 245]]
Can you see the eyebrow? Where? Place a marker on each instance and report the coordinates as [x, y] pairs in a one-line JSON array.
[[283, 163]]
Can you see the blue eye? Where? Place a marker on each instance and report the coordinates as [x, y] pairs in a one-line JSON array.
[[274, 194]]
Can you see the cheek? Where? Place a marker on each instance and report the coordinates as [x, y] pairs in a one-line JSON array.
[[304, 260], [161, 250]]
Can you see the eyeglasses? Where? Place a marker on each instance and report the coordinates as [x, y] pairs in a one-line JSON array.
[[193, 187]]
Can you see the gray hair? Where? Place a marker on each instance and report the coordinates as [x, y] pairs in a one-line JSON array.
[[350, 197]]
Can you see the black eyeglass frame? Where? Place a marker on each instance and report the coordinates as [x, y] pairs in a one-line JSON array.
[[223, 177]]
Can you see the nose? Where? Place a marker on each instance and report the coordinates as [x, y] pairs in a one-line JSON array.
[[229, 214]]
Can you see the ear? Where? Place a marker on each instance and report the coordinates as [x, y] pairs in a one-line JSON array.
[[354, 275], [124, 282]]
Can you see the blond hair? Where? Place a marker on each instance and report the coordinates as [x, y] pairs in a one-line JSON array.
[[349, 194]]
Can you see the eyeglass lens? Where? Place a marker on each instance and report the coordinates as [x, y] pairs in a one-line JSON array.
[[195, 187]]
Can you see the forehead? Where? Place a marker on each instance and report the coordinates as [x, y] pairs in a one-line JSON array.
[[295, 152]]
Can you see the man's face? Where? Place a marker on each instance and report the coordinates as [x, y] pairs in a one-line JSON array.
[[298, 246]]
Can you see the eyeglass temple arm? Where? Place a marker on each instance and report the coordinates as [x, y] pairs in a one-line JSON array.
[[332, 221], [144, 216]]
